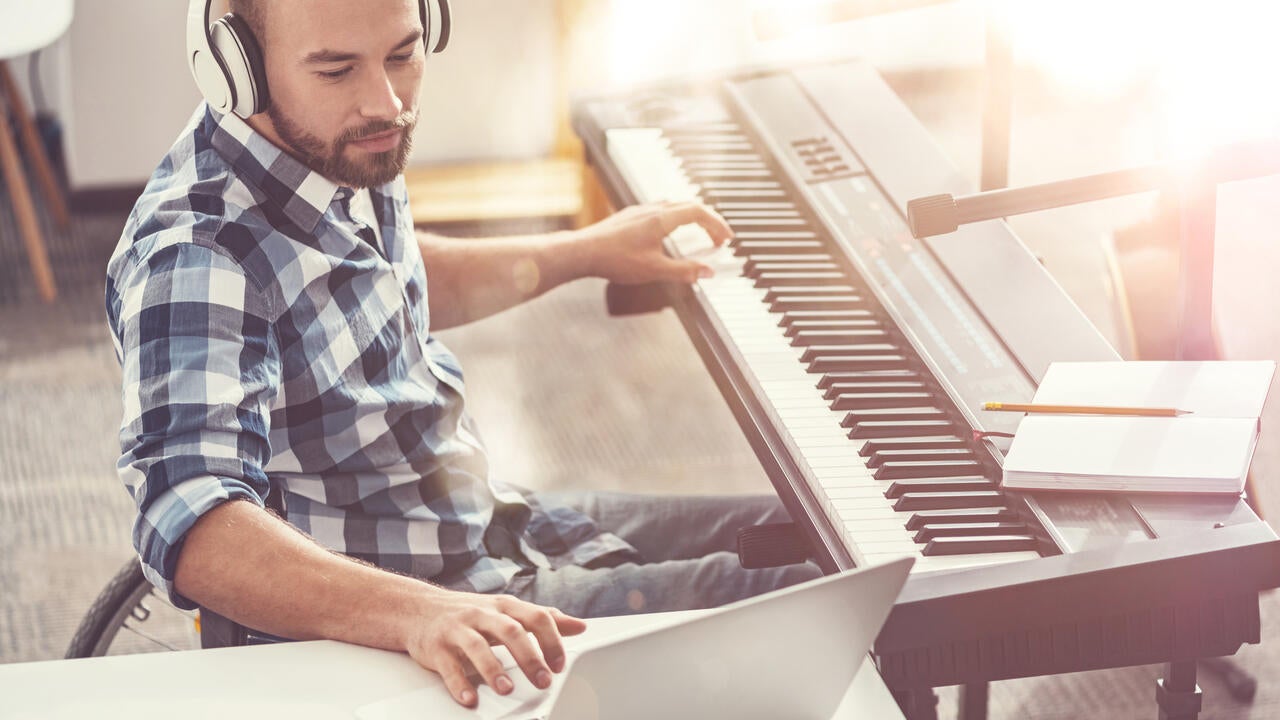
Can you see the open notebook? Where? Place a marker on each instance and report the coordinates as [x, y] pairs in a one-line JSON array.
[[1207, 450]]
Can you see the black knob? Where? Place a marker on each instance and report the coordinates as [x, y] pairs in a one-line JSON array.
[[932, 215]]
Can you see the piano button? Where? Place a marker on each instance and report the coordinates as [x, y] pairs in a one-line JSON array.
[[801, 279], [974, 545], [853, 418], [794, 303], [948, 500], [865, 400], [963, 515], [902, 428], [749, 247], [900, 469], [827, 366], [815, 352], [937, 442], [825, 315], [976, 483], [809, 291], [937, 530], [876, 459]]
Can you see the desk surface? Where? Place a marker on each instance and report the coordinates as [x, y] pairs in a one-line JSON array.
[[320, 680], [28, 25]]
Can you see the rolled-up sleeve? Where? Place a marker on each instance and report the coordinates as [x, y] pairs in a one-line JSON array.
[[200, 370]]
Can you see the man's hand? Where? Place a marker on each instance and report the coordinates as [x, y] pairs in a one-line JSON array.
[[457, 636], [626, 247]]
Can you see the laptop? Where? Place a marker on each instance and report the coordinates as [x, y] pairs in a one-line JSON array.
[[790, 654]]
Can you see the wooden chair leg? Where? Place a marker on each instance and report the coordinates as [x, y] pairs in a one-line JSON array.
[[35, 150], [25, 211]]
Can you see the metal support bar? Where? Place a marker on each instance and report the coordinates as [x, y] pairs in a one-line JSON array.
[[1177, 693]]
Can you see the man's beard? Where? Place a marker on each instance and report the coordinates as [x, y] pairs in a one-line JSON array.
[[329, 159]]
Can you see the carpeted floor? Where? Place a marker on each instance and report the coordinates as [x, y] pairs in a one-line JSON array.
[[641, 415]]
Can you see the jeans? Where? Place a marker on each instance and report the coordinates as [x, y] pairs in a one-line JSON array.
[[688, 550]]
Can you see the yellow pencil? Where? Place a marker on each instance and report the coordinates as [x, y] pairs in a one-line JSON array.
[[1085, 409]]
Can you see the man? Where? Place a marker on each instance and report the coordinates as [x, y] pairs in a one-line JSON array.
[[272, 312]]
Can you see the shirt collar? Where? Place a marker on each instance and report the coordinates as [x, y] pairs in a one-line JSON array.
[[302, 193]]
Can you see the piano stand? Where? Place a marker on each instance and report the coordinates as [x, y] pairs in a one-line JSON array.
[[917, 704], [973, 701], [1177, 693]]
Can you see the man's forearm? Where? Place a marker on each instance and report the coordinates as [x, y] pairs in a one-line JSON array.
[[471, 279], [243, 562]]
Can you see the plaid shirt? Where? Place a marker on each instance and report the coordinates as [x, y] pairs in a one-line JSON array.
[[269, 343]]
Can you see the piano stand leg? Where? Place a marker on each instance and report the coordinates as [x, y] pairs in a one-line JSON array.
[[1177, 693], [917, 704], [973, 701]]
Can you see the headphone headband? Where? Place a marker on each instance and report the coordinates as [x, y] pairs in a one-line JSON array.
[[226, 62]]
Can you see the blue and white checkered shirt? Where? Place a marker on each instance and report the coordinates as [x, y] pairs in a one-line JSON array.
[[269, 343]]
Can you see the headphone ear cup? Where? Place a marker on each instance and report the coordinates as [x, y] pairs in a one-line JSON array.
[[235, 44]]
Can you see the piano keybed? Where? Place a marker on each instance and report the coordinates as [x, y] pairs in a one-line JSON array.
[[890, 460], [856, 359]]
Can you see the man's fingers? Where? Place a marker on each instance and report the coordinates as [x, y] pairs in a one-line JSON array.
[[568, 624], [476, 649], [509, 631], [546, 626], [673, 216], [455, 679]]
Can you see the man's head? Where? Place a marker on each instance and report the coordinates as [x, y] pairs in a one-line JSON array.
[[344, 79]]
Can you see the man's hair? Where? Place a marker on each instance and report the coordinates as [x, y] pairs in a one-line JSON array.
[[253, 12]]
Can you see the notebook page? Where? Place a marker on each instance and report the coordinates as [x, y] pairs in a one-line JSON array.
[[1208, 389], [1115, 446]]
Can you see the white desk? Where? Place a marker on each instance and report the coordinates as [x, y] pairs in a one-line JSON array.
[[321, 680]]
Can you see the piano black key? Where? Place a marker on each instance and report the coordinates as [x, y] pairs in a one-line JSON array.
[[855, 363], [750, 205], [757, 264], [780, 223], [900, 428], [754, 268], [703, 174], [801, 279], [848, 336], [801, 303], [877, 459], [744, 248], [855, 418], [974, 545], [815, 352], [962, 515], [835, 378], [834, 325], [937, 530], [777, 235], [855, 389], [938, 442], [948, 500], [972, 483], [902, 469], [865, 400], [794, 316], [714, 196], [809, 291]]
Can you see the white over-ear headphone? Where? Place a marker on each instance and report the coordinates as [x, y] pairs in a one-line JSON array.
[[226, 61]]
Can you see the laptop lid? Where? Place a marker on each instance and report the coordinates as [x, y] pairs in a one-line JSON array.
[[791, 654]]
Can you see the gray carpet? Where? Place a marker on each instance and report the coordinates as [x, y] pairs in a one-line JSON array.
[[641, 414]]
